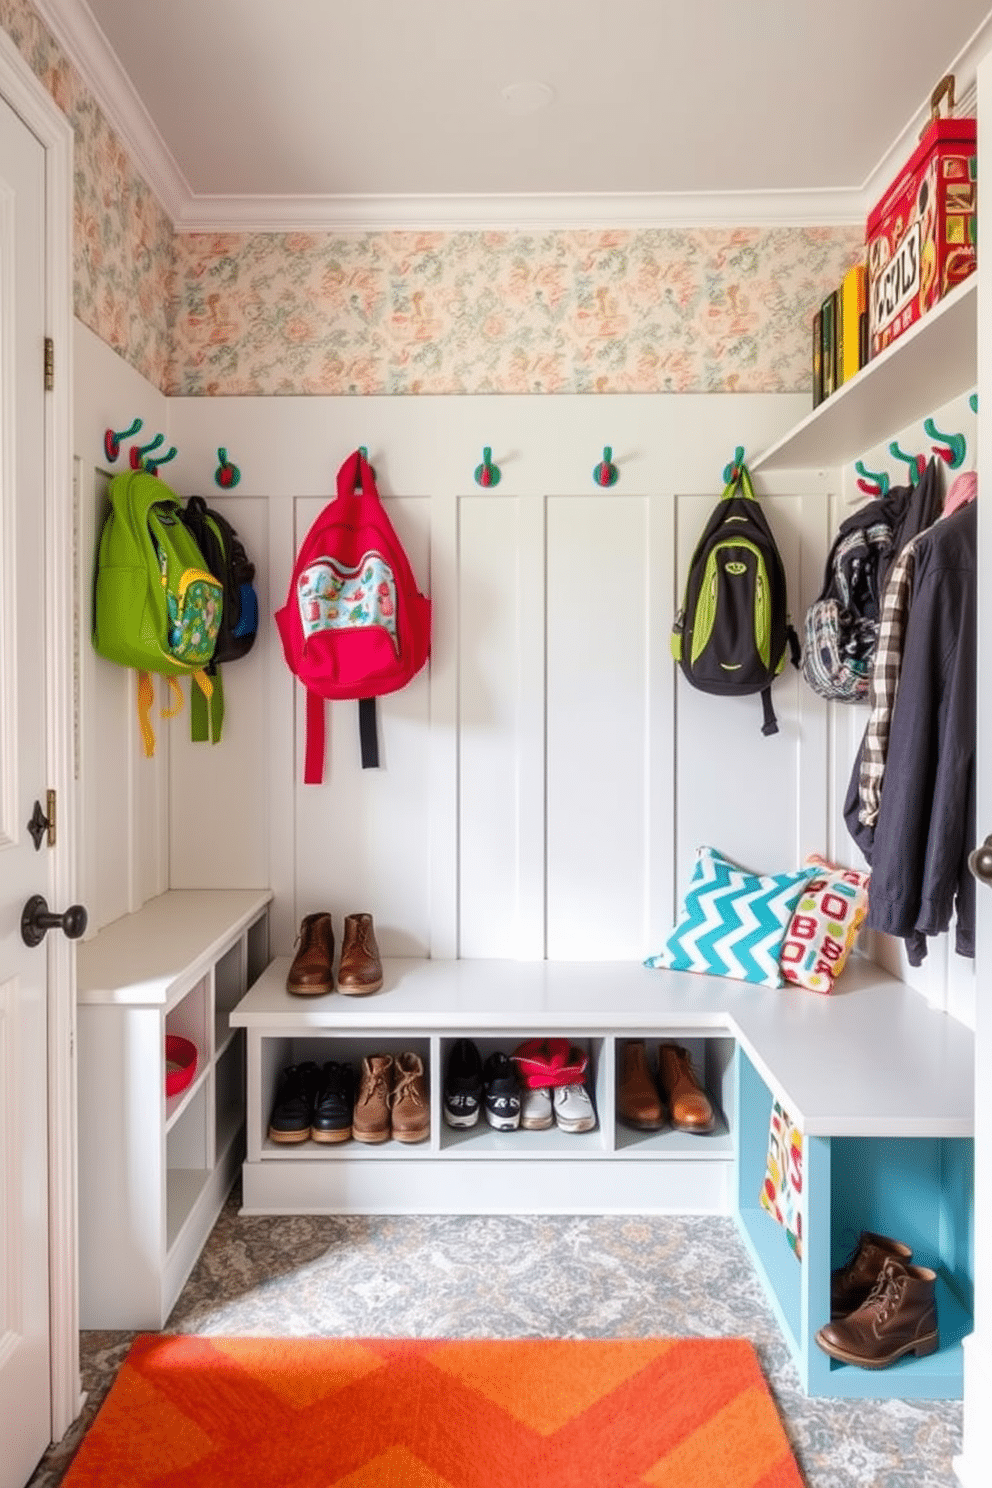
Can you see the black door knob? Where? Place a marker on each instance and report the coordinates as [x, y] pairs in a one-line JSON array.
[[980, 861], [37, 919]]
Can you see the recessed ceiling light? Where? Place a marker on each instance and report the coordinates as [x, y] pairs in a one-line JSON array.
[[526, 97]]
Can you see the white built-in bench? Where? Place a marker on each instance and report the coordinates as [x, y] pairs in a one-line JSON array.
[[880, 1085]]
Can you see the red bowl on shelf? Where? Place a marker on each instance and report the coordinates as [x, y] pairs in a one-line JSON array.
[[181, 1055]]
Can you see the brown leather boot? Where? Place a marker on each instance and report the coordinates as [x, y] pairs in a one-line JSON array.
[[851, 1284], [687, 1100], [899, 1317], [360, 970], [370, 1118], [411, 1112], [638, 1102], [312, 971]]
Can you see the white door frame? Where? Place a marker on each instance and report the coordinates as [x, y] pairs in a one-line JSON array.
[[26, 95]]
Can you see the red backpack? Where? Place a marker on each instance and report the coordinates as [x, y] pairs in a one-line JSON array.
[[354, 624]]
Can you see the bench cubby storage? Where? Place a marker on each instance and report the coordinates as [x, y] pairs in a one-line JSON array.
[[155, 1169], [887, 1139]]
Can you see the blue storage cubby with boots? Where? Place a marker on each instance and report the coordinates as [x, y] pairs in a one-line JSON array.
[[916, 1189]]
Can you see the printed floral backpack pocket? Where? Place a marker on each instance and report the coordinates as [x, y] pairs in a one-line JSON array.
[[354, 624]]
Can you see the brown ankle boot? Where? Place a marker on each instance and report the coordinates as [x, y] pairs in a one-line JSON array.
[[899, 1317], [370, 1118], [687, 1100], [851, 1284], [410, 1108], [360, 970], [638, 1102], [312, 971]]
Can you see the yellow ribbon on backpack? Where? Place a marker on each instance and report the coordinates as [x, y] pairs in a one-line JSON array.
[[146, 700]]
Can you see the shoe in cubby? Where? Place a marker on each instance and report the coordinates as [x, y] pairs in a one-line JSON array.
[[689, 1105], [296, 1092], [502, 1092], [371, 1120], [573, 1108], [334, 1104], [410, 1112], [463, 1087]]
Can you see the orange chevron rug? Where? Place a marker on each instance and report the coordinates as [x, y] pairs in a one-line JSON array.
[[430, 1413]]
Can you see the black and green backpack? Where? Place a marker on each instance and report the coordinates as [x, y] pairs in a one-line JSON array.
[[733, 630]]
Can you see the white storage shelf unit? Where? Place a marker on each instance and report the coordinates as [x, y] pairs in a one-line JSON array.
[[154, 1171]]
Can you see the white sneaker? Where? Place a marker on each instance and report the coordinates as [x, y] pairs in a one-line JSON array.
[[573, 1108], [535, 1109]]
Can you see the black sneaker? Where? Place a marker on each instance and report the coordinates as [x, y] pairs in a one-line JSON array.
[[463, 1085], [335, 1102], [502, 1098], [295, 1096]]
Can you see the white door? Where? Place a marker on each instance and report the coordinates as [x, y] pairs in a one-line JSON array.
[[25, 1378]]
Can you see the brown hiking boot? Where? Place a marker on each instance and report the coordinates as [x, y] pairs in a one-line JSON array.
[[852, 1283], [899, 1317], [411, 1112], [360, 970], [687, 1100], [638, 1102], [370, 1119], [312, 971]]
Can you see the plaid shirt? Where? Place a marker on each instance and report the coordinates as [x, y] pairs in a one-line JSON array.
[[885, 683]]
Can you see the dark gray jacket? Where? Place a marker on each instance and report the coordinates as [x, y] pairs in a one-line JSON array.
[[919, 845]]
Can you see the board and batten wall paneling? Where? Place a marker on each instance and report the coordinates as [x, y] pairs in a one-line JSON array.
[[761, 800], [501, 727], [123, 803], [363, 838]]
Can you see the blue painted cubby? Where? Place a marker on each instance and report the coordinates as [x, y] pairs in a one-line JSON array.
[[917, 1189]]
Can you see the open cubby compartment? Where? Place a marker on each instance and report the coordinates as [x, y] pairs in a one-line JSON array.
[[918, 1190], [229, 987], [256, 950], [279, 1051], [778, 1264], [714, 1064], [915, 1189], [482, 1140], [188, 1162], [229, 1094], [189, 1017]]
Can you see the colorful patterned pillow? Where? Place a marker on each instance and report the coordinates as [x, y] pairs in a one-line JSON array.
[[732, 922], [825, 925], [782, 1190]]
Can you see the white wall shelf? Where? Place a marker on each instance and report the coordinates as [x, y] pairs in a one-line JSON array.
[[154, 1171], [929, 364]]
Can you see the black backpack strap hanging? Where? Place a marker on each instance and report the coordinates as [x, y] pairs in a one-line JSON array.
[[368, 733]]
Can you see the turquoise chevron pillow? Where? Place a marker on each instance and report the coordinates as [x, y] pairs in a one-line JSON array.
[[732, 923]]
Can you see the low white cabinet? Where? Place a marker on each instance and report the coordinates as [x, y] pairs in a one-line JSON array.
[[154, 1171]]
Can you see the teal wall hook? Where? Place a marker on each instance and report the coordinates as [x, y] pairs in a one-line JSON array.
[[487, 474], [973, 402], [732, 470], [917, 464], [139, 452], [950, 447], [227, 474], [874, 482], [606, 473], [152, 465], [112, 439]]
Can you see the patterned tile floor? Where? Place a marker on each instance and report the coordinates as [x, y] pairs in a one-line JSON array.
[[507, 1277]]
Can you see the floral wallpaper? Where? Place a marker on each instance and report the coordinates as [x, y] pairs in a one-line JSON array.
[[646, 310], [657, 310], [122, 238]]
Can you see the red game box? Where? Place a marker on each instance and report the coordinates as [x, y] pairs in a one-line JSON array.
[[921, 235]]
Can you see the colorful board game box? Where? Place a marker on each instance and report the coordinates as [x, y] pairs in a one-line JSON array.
[[921, 235]]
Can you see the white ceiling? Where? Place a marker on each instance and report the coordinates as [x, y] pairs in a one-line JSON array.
[[387, 106]]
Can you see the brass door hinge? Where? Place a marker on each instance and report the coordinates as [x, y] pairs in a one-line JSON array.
[[49, 365]]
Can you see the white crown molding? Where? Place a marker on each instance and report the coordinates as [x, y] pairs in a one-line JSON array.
[[77, 32], [494, 213]]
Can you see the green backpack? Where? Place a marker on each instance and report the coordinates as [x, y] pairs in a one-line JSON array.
[[156, 607]]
